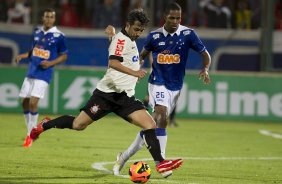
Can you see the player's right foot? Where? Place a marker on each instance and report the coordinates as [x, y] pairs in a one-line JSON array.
[[36, 131], [119, 164], [168, 165], [27, 142]]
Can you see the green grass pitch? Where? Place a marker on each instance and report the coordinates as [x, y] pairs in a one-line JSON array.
[[214, 152]]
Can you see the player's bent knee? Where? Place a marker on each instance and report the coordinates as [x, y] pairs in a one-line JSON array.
[[78, 126]]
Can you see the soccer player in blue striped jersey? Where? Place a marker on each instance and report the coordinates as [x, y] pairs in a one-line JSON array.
[[169, 46], [48, 49]]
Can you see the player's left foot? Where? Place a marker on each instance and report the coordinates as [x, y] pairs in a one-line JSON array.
[[119, 164], [27, 142], [36, 131]]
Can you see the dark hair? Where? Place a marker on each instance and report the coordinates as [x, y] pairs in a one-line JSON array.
[[172, 6], [137, 15], [48, 10]]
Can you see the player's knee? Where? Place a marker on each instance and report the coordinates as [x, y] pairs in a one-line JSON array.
[[78, 125], [161, 120]]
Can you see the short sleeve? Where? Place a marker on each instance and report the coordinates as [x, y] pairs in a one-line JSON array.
[[196, 44], [62, 47], [117, 48]]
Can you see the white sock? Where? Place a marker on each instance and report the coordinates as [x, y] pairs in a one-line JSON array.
[[27, 119], [136, 145], [162, 140], [162, 137], [33, 121]]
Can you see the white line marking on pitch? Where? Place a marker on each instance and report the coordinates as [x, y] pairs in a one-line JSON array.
[[269, 133], [100, 165]]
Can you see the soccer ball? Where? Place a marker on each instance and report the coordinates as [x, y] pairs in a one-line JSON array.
[[139, 172]]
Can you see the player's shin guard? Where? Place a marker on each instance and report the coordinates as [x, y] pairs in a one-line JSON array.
[[61, 122], [152, 144]]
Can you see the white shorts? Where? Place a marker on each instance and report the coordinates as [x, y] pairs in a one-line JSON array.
[[33, 87], [159, 94]]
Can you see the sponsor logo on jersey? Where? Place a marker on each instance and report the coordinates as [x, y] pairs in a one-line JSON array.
[[162, 43], [135, 58], [119, 47], [41, 53], [156, 36], [168, 58], [56, 34], [186, 32]]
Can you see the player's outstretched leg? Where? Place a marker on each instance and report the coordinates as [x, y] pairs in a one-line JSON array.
[[61, 122]]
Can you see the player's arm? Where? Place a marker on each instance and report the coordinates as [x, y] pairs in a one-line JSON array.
[[142, 56], [115, 64], [23, 56], [46, 64], [206, 65]]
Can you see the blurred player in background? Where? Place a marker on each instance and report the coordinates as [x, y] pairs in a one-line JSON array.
[[115, 93], [169, 45], [48, 49]]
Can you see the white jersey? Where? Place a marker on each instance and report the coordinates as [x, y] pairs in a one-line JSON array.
[[125, 50]]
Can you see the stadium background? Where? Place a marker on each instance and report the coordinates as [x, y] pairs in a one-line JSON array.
[[246, 66]]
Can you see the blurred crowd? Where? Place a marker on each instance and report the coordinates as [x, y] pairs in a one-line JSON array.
[[236, 14]]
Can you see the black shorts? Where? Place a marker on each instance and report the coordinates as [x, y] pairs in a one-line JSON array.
[[100, 104]]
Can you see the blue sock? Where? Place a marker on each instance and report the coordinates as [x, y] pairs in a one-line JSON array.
[[160, 132]]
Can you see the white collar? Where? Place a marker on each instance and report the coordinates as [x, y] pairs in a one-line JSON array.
[[171, 34], [51, 30]]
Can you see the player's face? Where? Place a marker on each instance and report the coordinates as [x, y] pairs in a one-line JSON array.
[[172, 20], [48, 20], [135, 30]]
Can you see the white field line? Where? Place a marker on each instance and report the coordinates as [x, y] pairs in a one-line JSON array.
[[269, 133], [100, 165]]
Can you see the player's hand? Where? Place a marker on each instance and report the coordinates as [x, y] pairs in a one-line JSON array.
[[141, 74], [19, 58], [45, 64], [110, 31], [204, 75]]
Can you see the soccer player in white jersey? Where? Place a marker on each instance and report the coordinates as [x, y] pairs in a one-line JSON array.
[[169, 46], [115, 93], [48, 49]]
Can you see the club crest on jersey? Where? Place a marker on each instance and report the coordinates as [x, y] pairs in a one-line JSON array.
[[168, 58], [41, 53], [135, 58], [119, 47], [94, 109]]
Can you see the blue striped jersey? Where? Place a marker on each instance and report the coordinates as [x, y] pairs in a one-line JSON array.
[[170, 54]]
